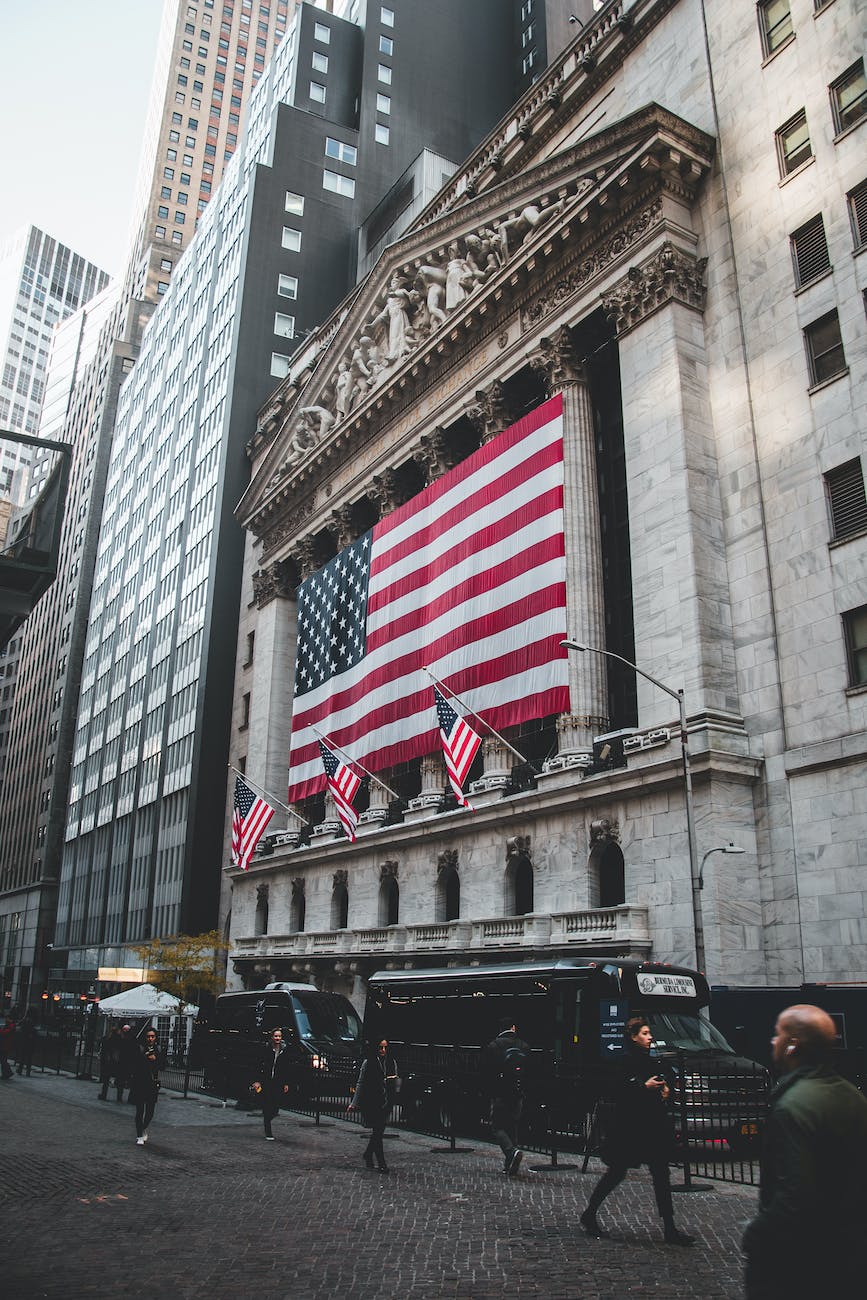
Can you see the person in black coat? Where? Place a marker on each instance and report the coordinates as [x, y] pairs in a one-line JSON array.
[[127, 1058], [641, 1133], [273, 1084], [145, 1083], [109, 1061], [374, 1095], [502, 1062]]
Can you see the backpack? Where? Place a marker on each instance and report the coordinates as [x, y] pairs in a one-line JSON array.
[[512, 1069]]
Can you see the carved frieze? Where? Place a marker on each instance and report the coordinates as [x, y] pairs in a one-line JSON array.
[[447, 861], [604, 831], [599, 260], [388, 870], [669, 276]]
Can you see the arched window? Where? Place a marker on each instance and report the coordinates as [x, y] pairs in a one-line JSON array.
[[339, 907], [448, 895], [261, 922], [298, 907], [519, 885], [389, 900], [611, 871]]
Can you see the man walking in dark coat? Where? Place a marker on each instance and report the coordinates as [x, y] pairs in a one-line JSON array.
[[145, 1083], [641, 1133], [273, 1084], [807, 1238], [503, 1063]]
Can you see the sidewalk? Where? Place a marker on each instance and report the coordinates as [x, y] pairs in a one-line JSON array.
[[209, 1210]]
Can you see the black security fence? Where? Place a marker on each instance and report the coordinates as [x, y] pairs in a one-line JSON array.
[[719, 1106]]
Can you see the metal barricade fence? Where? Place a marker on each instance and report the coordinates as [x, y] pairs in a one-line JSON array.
[[719, 1106], [720, 1109]]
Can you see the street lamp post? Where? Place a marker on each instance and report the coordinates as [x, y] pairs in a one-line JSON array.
[[694, 873]]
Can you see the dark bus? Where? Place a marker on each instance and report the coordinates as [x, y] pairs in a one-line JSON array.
[[322, 1032], [572, 1014]]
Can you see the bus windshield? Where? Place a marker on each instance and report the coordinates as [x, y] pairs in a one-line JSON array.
[[323, 1019], [680, 1031]]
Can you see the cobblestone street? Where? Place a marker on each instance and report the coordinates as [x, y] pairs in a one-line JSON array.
[[209, 1209]]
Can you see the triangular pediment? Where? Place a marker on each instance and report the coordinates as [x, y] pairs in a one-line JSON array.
[[432, 286]]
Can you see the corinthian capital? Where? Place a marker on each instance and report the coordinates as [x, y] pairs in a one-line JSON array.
[[557, 360], [669, 276], [271, 582], [490, 414]]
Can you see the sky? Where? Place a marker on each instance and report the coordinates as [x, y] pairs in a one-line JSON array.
[[73, 102]]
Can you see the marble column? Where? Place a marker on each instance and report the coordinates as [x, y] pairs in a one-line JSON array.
[[268, 677], [558, 361], [431, 797]]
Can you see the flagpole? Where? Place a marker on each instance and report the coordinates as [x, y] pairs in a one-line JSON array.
[[466, 706], [333, 745], [270, 797]]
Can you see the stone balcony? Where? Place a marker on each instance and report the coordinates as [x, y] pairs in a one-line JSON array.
[[608, 929]]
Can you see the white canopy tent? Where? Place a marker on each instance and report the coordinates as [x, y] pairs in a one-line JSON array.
[[145, 1000]]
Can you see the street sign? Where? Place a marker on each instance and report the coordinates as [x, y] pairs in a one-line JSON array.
[[612, 1027]]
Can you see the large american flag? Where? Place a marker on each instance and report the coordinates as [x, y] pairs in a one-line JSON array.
[[468, 578], [343, 784], [460, 744], [250, 816]]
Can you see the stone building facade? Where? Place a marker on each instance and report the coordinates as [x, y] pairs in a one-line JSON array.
[[667, 231]]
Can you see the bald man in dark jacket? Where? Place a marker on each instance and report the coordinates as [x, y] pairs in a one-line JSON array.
[[807, 1237]]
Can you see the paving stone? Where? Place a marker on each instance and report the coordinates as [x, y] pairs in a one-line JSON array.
[[208, 1210]]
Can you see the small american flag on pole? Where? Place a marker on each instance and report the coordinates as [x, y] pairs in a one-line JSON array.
[[460, 744], [250, 816], [343, 784]]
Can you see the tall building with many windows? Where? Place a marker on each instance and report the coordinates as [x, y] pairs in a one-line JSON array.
[[343, 112], [41, 283], [210, 55]]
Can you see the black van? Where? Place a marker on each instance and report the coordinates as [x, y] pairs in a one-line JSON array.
[[322, 1032], [572, 1013]]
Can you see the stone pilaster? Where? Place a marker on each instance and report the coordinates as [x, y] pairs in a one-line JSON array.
[[683, 626], [557, 360]]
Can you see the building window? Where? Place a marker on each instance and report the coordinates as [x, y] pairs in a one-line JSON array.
[[824, 349], [846, 500], [177, 237], [849, 97], [383, 73], [245, 712], [291, 239], [162, 212], [386, 17], [855, 629], [165, 191], [529, 61], [317, 92], [775, 23], [160, 232], [162, 287], [346, 153], [180, 218], [386, 45], [857, 200], [338, 184], [287, 286], [169, 173], [383, 103], [320, 62], [322, 33], [382, 133], [810, 251], [279, 365], [294, 203], [284, 326], [793, 144]]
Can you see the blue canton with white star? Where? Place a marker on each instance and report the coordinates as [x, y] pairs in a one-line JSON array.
[[332, 617]]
